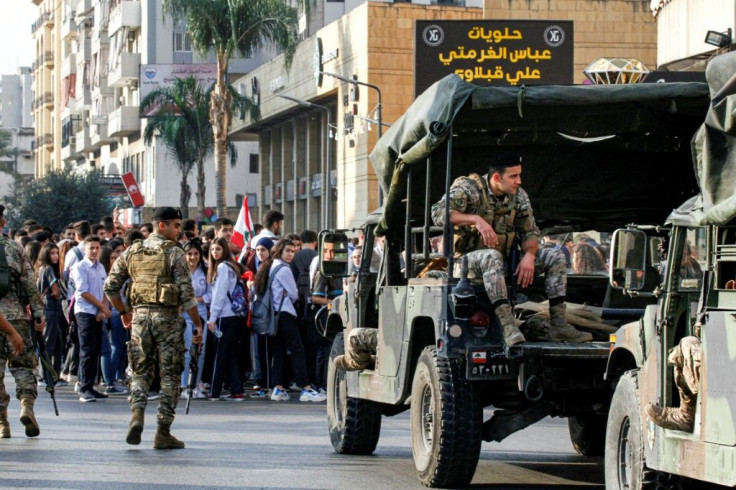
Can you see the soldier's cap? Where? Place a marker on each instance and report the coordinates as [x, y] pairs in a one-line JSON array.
[[166, 213], [505, 159]]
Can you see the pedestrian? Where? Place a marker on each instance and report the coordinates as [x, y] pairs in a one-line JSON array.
[[203, 294], [90, 310], [223, 322], [71, 340], [13, 307], [259, 343], [113, 360], [52, 293], [160, 286]]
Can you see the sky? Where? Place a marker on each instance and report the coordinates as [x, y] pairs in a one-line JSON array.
[[16, 41]]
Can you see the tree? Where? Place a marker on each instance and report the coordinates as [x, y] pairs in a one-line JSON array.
[[184, 126], [6, 144], [226, 27], [60, 198]]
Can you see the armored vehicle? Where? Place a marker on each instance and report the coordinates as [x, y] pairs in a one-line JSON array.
[[595, 158], [696, 299]]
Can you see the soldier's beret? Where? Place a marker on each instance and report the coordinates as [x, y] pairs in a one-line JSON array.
[[165, 213], [504, 159]]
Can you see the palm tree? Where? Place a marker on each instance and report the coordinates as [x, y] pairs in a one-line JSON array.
[[183, 124], [227, 27]]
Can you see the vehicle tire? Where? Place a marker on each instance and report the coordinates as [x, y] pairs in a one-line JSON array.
[[588, 434], [625, 467], [446, 422], [354, 424]]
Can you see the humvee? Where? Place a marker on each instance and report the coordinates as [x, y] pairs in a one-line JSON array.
[[595, 158], [638, 453]]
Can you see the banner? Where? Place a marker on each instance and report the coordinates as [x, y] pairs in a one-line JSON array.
[[154, 77]]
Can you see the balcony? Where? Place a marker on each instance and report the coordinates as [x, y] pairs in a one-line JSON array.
[[98, 133], [123, 121], [68, 151], [69, 65], [48, 59], [84, 49], [126, 71], [47, 140], [68, 25], [82, 142], [41, 21], [48, 100], [127, 14]]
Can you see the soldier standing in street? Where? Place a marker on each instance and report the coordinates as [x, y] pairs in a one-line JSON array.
[[160, 286], [490, 214], [19, 289]]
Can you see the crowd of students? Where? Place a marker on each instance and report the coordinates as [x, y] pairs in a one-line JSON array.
[[235, 363]]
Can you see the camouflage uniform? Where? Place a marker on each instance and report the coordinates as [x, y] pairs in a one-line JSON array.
[[22, 367], [362, 344], [156, 330]]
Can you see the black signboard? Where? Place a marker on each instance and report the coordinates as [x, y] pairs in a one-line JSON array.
[[491, 52]]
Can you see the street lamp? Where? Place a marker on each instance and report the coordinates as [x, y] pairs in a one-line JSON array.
[[326, 194], [378, 112]]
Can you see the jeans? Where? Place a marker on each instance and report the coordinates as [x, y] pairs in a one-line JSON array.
[[226, 359], [288, 338], [119, 336], [90, 340]]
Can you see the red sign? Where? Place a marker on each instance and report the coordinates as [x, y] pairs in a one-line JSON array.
[[133, 191]]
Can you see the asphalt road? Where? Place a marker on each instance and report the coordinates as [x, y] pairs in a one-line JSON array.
[[257, 444]]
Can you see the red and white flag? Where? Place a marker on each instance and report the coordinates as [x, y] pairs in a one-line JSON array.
[[243, 230]]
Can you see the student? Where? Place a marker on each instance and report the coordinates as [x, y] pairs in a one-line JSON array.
[[90, 309], [47, 281], [203, 293]]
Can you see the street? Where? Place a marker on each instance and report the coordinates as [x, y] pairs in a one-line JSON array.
[[256, 444]]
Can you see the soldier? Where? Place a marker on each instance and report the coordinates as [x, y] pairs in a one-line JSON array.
[[19, 287], [686, 358], [490, 214], [160, 286]]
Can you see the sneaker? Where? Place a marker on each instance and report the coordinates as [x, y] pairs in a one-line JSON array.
[[312, 396], [114, 390], [323, 393], [77, 387], [256, 387], [259, 394], [87, 396], [279, 395], [97, 394], [214, 398], [153, 395], [185, 394], [197, 394], [62, 382], [234, 398], [41, 383], [294, 387]]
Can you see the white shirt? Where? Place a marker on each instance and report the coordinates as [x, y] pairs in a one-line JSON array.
[[283, 282], [224, 284]]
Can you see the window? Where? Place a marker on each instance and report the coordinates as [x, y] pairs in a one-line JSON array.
[[254, 163], [182, 42]]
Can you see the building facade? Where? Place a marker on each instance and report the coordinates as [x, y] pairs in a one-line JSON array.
[[373, 43]]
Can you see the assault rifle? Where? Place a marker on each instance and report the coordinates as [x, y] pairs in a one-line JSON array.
[[193, 371], [49, 374]]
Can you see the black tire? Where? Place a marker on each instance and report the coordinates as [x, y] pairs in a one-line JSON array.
[[446, 422], [588, 434], [354, 424], [625, 466]]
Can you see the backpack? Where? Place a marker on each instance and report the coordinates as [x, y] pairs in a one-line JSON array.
[[304, 288], [263, 319], [239, 296]]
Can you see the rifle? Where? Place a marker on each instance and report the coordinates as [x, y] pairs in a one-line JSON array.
[[49, 374], [193, 371]]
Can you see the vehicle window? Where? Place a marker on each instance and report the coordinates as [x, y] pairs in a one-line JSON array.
[[692, 261]]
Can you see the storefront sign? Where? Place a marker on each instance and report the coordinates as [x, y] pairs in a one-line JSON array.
[[513, 52], [160, 77]]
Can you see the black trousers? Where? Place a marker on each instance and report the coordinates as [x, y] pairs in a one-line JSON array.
[[90, 343], [317, 351], [288, 338], [226, 359]]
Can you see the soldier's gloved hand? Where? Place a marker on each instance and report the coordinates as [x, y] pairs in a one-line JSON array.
[[490, 239]]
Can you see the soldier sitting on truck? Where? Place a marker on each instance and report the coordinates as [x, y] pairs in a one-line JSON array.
[[490, 214]]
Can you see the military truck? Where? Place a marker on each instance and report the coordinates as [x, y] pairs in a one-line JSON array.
[[695, 297], [595, 158]]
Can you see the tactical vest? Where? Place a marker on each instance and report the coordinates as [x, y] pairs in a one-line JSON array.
[[468, 239], [152, 281]]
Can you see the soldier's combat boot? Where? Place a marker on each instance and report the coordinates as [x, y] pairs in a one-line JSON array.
[[560, 330], [511, 333], [27, 417], [136, 426], [164, 440], [4, 424], [680, 418]]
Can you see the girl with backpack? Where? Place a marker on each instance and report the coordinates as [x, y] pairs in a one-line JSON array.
[[284, 294], [52, 292], [223, 322], [203, 293]]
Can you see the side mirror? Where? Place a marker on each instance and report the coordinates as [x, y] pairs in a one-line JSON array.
[[333, 250], [628, 259]]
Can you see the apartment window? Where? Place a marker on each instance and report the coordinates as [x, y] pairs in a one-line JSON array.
[[182, 43], [254, 163]]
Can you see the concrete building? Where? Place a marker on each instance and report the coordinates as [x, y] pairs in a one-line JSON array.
[[16, 98], [373, 42], [87, 104]]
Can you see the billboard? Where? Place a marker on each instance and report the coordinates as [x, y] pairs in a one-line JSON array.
[[493, 52], [155, 77]]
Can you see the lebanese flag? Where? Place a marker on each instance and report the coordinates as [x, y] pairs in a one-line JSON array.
[[243, 230]]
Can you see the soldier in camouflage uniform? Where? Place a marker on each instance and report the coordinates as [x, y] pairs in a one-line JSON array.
[[22, 291], [686, 358], [160, 285], [491, 213]]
